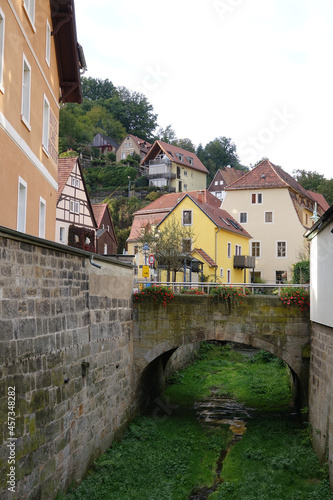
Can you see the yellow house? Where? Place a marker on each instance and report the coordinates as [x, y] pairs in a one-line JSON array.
[[39, 68], [217, 237], [174, 168]]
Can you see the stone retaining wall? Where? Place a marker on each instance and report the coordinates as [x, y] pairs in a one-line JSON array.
[[321, 394], [66, 360]]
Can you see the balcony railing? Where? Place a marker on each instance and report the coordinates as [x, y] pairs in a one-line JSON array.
[[161, 172], [160, 161]]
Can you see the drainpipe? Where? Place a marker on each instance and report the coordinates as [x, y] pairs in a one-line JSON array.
[[216, 251], [94, 263]]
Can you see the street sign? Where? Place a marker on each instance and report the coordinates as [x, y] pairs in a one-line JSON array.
[[145, 271], [151, 259]]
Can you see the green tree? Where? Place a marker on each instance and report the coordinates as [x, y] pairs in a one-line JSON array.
[[167, 134], [326, 189], [309, 180], [186, 144], [166, 244], [95, 88], [219, 153]]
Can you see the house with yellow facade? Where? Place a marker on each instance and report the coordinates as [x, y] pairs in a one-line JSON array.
[[277, 211], [40, 63], [219, 243], [173, 168]]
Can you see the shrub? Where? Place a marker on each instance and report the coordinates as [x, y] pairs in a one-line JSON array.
[[229, 294], [299, 297], [160, 294]]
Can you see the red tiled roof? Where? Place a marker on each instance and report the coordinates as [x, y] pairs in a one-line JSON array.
[[156, 211], [65, 167], [206, 257], [228, 174], [99, 211], [268, 175], [143, 145], [320, 199], [171, 152]]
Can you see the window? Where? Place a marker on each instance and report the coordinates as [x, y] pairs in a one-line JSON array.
[[42, 217], [229, 250], [189, 159], [243, 217], [22, 205], [46, 121], [26, 90], [2, 46], [123, 156], [216, 183], [229, 276], [238, 250], [256, 198], [281, 249], [74, 206], [280, 276], [185, 173], [136, 249], [105, 248], [256, 251], [186, 245], [268, 216], [76, 183], [221, 183], [29, 6], [62, 235], [187, 218], [48, 43], [221, 272]]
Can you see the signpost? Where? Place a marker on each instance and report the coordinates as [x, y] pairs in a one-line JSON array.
[[145, 271]]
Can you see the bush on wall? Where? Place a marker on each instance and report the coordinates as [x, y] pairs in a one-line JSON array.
[[81, 237]]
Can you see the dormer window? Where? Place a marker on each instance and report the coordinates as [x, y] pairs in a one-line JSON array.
[[189, 159], [180, 156]]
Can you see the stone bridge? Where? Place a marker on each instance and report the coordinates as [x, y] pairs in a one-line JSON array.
[[259, 321]]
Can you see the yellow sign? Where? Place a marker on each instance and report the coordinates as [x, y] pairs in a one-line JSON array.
[[145, 271]]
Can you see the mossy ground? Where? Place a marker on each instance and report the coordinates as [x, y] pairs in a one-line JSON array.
[[166, 454]]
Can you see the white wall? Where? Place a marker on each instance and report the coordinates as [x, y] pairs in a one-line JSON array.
[[321, 277]]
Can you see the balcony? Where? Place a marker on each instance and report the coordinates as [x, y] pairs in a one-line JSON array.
[[160, 172], [160, 161], [244, 261]]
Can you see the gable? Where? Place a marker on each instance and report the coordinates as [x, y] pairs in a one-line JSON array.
[[176, 155]]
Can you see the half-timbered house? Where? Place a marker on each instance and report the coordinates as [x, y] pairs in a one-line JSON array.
[[75, 221]]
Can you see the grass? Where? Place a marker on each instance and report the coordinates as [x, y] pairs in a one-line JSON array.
[[166, 455]]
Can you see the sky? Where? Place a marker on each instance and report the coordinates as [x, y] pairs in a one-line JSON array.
[[259, 72]]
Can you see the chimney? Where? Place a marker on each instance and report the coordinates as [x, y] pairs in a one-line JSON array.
[[202, 196]]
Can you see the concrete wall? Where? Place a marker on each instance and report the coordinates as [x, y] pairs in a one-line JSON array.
[[65, 362], [321, 393]]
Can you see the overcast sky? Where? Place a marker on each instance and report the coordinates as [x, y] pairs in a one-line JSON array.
[[257, 71]]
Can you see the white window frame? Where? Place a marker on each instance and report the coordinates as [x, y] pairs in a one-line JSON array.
[[74, 206], [48, 43], [186, 224], [259, 243], [26, 92], [229, 276], [240, 217], [29, 7], [105, 250], [2, 48], [62, 234], [46, 125], [221, 272], [22, 205], [256, 199], [267, 221], [238, 250], [42, 217], [229, 250], [277, 249]]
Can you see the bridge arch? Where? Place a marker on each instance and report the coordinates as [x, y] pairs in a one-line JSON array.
[[260, 322]]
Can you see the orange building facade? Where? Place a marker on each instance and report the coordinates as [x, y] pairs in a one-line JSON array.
[[35, 77]]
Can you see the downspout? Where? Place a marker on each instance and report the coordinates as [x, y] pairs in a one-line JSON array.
[[216, 250]]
